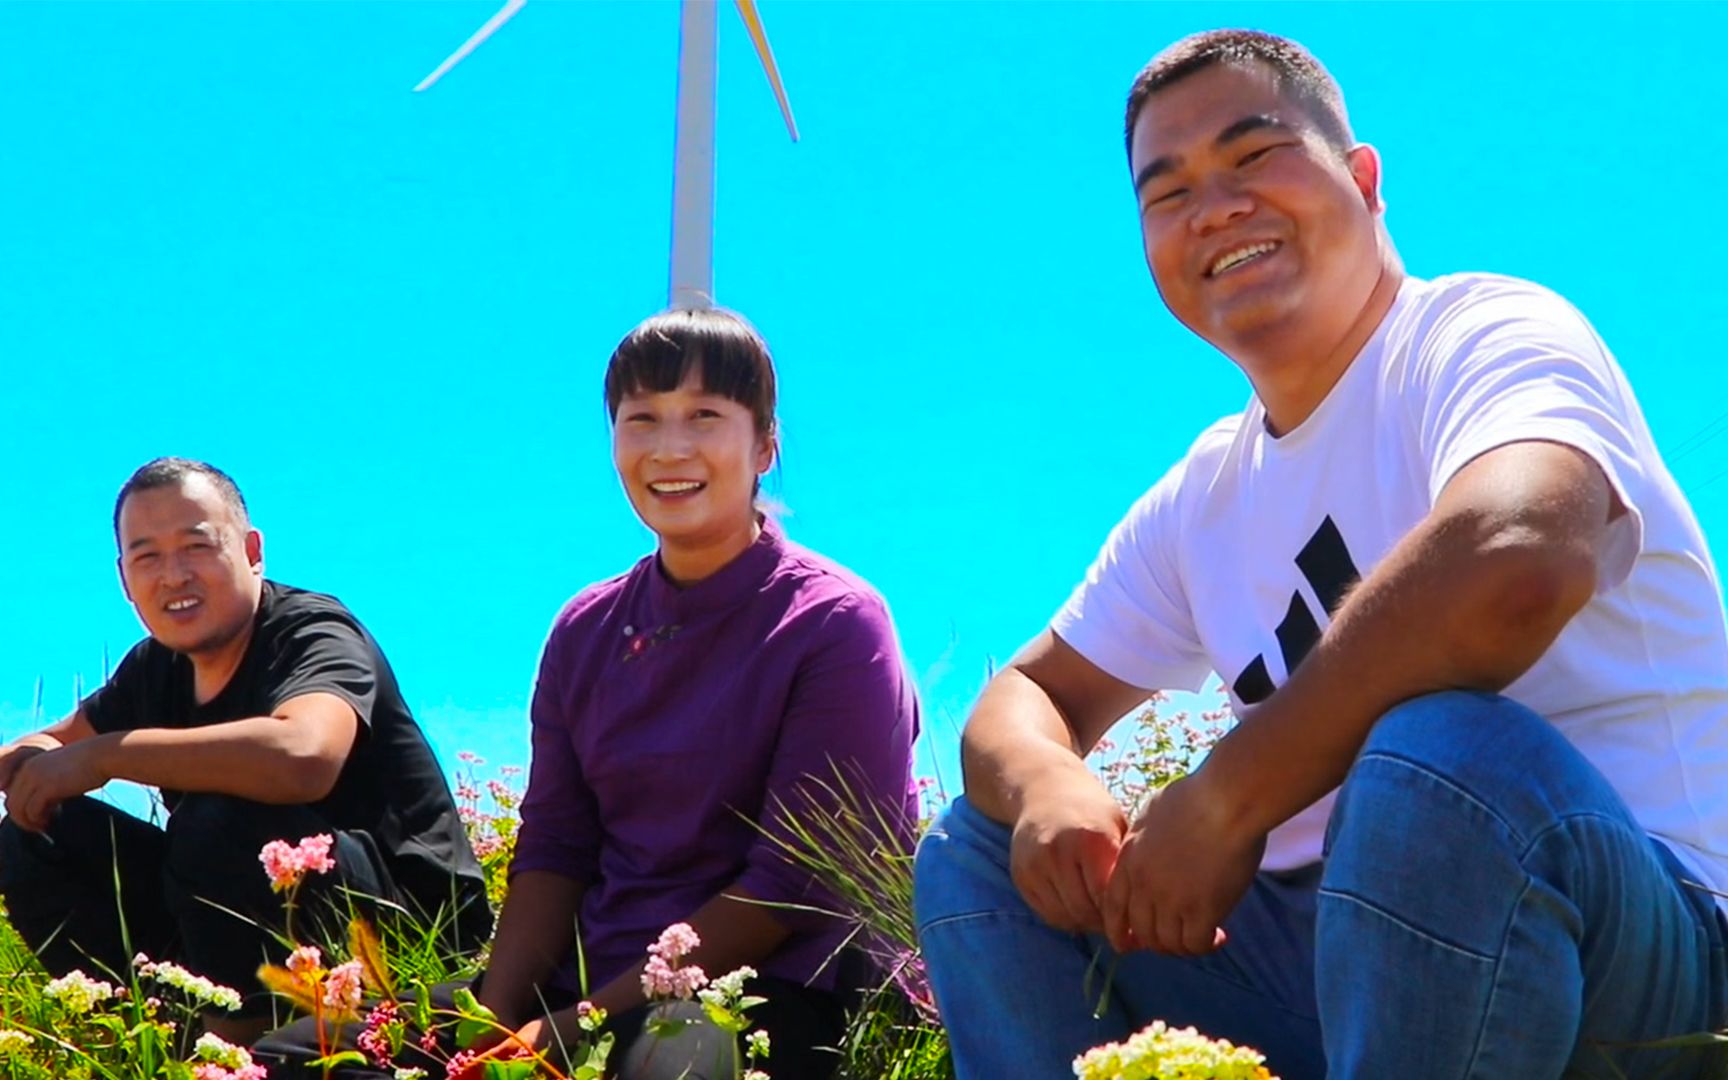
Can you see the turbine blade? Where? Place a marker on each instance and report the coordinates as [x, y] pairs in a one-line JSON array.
[[753, 22], [510, 8]]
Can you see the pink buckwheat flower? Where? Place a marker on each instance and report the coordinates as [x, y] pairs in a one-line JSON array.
[[305, 960], [676, 942], [209, 1071], [287, 864], [342, 987], [375, 1040], [281, 864], [315, 854], [658, 978]]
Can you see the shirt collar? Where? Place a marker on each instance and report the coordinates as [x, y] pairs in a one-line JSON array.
[[726, 587]]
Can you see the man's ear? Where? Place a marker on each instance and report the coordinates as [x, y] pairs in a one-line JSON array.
[[255, 550], [1364, 163]]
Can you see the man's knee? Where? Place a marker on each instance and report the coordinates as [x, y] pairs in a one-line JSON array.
[[212, 844], [79, 840], [1461, 760], [1448, 726]]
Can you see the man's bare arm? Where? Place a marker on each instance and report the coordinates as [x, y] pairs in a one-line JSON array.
[[1023, 755], [71, 729], [1469, 599], [1035, 722], [292, 756]]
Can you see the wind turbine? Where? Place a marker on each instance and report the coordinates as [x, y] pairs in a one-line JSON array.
[[692, 280]]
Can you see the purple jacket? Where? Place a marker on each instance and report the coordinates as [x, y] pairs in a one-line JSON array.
[[661, 715]]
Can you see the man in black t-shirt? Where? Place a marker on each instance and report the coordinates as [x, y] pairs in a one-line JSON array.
[[262, 712]]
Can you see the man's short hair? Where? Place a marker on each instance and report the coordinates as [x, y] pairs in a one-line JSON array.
[[1296, 73], [172, 472]]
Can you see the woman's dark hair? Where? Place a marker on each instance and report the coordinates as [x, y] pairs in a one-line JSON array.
[[720, 345]]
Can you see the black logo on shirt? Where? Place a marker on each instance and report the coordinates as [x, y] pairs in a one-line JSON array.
[[1325, 562]]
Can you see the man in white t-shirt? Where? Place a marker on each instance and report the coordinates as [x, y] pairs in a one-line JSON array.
[[1471, 816]]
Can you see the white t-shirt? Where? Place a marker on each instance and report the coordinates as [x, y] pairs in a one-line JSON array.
[[1232, 561]]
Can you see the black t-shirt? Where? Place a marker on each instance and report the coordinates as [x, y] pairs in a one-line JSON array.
[[304, 642]]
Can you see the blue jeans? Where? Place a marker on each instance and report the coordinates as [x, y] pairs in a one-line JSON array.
[[1487, 908]]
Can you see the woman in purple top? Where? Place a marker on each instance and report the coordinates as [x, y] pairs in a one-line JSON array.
[[680, 705]]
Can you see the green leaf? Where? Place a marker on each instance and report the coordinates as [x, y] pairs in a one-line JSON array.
[[514, 1069], [336, 1061], [422, 1007], [476, 1019], [110, 1023], [599, 1052], [468, 1030], [663, 1027], [725, 1019]]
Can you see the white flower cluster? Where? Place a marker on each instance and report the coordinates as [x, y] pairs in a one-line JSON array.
[[724, 992], [77, 992], [409, 1074], [13, 1042], [221, 1060], [757, 1043], [221, 1052], [1160, 1052], [201, 990]]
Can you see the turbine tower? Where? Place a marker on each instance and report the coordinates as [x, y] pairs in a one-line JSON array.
[[692, 269]]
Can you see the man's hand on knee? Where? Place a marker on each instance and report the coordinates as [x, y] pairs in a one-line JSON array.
[[1063, 848], [1181, 872], [48, 778]]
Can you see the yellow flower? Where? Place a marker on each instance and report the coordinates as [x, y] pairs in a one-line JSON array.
[[1160, 1052]]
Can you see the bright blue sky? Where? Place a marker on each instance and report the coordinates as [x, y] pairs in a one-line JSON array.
[[230, 231]]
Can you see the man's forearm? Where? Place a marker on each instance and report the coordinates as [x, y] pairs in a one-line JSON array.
[[264, 759], [1016, 742], [1442, 611]]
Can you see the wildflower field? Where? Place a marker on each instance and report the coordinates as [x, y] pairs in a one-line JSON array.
[[378, 989], [372, 991]]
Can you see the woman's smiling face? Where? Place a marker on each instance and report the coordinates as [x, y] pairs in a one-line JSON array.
[[689, 461]]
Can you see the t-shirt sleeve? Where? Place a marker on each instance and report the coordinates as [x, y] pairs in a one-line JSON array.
[[1523, 365], [1130, 616], [559, 819], [324, 655], [850, 721], [120, 703]]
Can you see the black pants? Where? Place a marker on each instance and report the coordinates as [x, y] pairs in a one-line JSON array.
[[802, 1025], [175, 883]]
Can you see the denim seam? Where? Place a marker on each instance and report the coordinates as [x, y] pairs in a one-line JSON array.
[[1559, 823], [1494, 981], [966, 916], [1446, 782], [1339, 894]]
